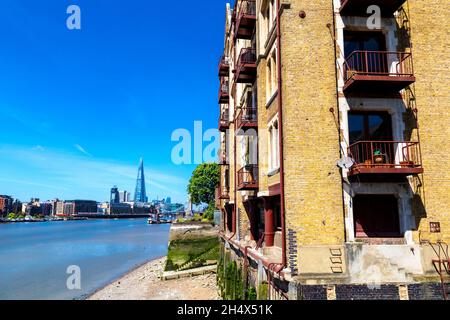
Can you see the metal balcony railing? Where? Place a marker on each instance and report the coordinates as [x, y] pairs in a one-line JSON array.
[[378, 63], [223, 159], [224, 192], [224, 66], [247, 117], [248, 177], [386, 156], [378, 71], [246, 19], [224, 91], [224, 120], [246, 66]]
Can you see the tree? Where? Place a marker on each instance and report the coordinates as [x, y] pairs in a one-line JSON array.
[[203, 183], [202, 186]]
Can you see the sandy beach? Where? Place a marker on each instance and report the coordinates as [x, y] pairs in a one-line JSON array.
[[143, 284]]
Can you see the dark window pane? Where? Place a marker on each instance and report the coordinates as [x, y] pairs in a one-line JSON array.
[[356, 127], [380, 127]]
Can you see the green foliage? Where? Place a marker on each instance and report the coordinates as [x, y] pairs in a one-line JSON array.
[[182, 252], [263, 290], [170, 266], [251, 294], [229, 277], [203, 183], [12, 216], [209, 212]]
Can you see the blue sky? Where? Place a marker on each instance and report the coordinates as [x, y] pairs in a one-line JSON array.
[[78, 108]]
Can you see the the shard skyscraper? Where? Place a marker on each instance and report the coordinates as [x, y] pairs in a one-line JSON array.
[[140, 195]]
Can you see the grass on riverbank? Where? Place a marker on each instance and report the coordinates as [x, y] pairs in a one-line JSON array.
[[194, 252]]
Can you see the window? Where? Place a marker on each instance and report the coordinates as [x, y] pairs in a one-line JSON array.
[[363, 41], [271, 75], [274, 146], [369, 126], [268, 14]]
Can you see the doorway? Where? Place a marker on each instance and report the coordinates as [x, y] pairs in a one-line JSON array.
[[365, 52], [376, 216]]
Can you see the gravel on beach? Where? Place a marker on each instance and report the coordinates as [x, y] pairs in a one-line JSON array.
[[143, 283]]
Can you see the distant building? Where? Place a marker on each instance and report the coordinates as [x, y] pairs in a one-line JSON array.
[[124, 196], [33, 208], [6, 203], [144, 209], [85, 206], [140, 194], [17, 207], [54, 203], [46, 208], [168, 200], [120, 208], [115, 196], [68, 208], [74, 207], [103, 208], [59, 209]]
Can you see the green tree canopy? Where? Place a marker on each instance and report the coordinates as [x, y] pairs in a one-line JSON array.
[[203, 183]]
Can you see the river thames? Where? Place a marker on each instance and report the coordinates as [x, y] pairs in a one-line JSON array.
[[34, 257]]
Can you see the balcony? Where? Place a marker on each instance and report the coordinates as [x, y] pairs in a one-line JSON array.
[[223, 158], [359, 7], [224, 92], [224, 122], [246, 66], [224, 67], [385, 158], [246, 19], [223, 192], [248, 178], [378, 72], [247, 118]]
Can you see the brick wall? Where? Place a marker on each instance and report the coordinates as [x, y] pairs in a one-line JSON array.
[[311, 139], [430, 48]]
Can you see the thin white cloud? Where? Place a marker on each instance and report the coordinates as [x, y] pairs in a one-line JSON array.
[[31, 183], [38, 148], [77, 176], [82, 150]]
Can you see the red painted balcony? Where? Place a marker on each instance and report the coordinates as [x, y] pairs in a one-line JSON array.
[[224, 67], [248, 178], [223, 158], [223, 192], [359, 7], [224, 91], [247, 118], [246, 19], [224, 120], [245, 71], [378, 72], [393, 158]]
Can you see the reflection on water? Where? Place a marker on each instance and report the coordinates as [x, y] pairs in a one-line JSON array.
[[34, 256]]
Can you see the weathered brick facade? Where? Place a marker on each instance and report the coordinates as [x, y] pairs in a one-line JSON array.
[[328, 251]]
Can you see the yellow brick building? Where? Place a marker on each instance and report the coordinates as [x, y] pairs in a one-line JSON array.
[[335, 170]]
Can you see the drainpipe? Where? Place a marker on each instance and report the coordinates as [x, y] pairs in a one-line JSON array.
[[268, 226], [280, 135], [233, 227]]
